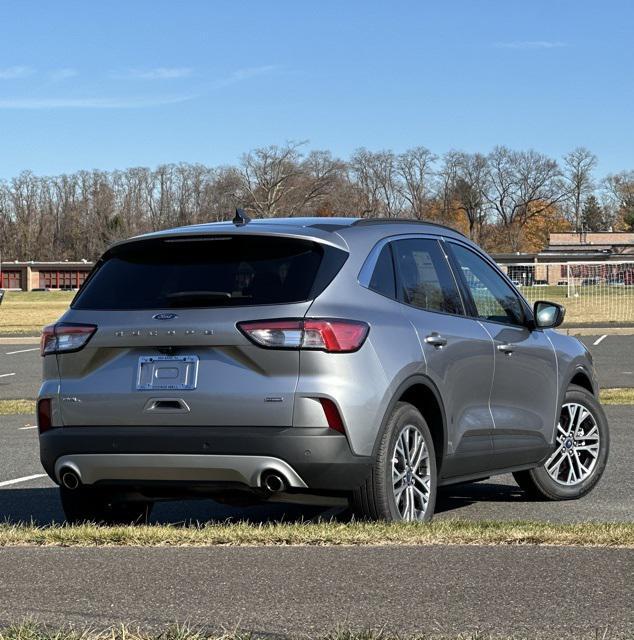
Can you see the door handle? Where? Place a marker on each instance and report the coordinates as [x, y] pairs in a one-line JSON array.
[[436, 340], [506, 348]]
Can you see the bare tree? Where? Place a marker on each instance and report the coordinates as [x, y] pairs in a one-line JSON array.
[[377, 178], [619, 198], [578, 167], [77, 215], [319, 175], [522, 185], [268, 174], [471, 182], [415, 167], [447, 177]]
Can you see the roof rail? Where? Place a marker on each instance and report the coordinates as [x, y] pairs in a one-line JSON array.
[[362, 222]]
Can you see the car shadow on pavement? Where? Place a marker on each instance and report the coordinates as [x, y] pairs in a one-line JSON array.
[[455, 497], [42, 507]]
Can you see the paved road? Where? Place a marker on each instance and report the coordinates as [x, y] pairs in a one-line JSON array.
[[614, 358], [498, 498], [20, 371], [550, 592]]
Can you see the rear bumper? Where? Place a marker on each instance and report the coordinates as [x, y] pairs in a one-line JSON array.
[[311, 459]]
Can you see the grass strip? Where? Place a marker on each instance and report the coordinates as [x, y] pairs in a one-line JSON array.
[[23, 313], [30, 630], [17, 407], [439, 532], [623, 395]]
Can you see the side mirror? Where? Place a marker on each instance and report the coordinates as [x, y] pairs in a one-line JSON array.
[[548, 315]]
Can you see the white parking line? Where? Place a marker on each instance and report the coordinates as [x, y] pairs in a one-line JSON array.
[[6, 375], [599, 340], [28, 427], [7, 483], [12, 353]]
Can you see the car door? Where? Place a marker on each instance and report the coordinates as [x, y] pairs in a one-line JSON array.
[[524, 391], [458, 351]]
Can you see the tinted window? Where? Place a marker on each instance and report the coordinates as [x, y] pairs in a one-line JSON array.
[[209, 272], [383, 280], [425, 280], [493, 297]]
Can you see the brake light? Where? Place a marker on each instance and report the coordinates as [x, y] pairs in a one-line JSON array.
[[333, 416], [44, 421], [331, 335], [65, 337]]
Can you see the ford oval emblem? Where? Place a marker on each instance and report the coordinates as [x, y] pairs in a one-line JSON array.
[[165, 316]]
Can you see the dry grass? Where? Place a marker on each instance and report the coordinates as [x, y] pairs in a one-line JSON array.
[[622, 395], [17, 407], [331, 533], [30, 630], [25, 314], [588, 305]]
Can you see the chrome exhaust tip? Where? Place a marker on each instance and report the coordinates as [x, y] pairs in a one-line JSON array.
[[69, 479], [272, 481]]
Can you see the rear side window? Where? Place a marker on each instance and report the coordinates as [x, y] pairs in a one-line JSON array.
[[425, 279], [383, 280], [212, 271]]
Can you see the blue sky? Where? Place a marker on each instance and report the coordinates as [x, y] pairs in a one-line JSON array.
[[117, 84]]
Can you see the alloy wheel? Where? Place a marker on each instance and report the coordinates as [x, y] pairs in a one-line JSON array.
[[578, 443], [411, 474]]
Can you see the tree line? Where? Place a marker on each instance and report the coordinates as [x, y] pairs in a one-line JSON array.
[[507, 200]]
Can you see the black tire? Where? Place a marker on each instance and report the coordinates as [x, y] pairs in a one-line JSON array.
[[538, 483], [375, 500], [87, 504]]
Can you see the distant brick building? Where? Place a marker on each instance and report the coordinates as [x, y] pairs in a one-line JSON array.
[[606, 255], [43, 275], [586, 242]]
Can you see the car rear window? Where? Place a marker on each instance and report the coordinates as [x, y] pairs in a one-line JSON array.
[[210, 271]]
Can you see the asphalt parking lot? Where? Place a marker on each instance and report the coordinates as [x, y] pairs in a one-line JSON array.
[[536, 592]]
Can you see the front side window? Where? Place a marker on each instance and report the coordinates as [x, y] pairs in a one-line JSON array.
[[494, 299], [425, 280]]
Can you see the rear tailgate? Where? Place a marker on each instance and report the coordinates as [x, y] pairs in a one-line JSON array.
[[167, 350], [236, 383]]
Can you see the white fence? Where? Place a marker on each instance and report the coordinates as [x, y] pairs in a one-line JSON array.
[[591, 292]]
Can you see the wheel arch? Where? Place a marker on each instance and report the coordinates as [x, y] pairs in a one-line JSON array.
[[581, 378], [421, 392]]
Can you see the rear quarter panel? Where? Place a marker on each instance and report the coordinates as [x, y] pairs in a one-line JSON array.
[[361, 384]]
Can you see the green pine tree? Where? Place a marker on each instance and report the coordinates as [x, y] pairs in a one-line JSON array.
[[592, 215]]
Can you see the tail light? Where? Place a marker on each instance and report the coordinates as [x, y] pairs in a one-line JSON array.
[[44, 422], [65, 337], [333, 336]]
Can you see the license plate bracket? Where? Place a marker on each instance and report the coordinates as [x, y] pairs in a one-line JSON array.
[[167, 373]]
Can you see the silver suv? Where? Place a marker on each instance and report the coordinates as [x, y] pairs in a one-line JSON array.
[[373, 359]]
